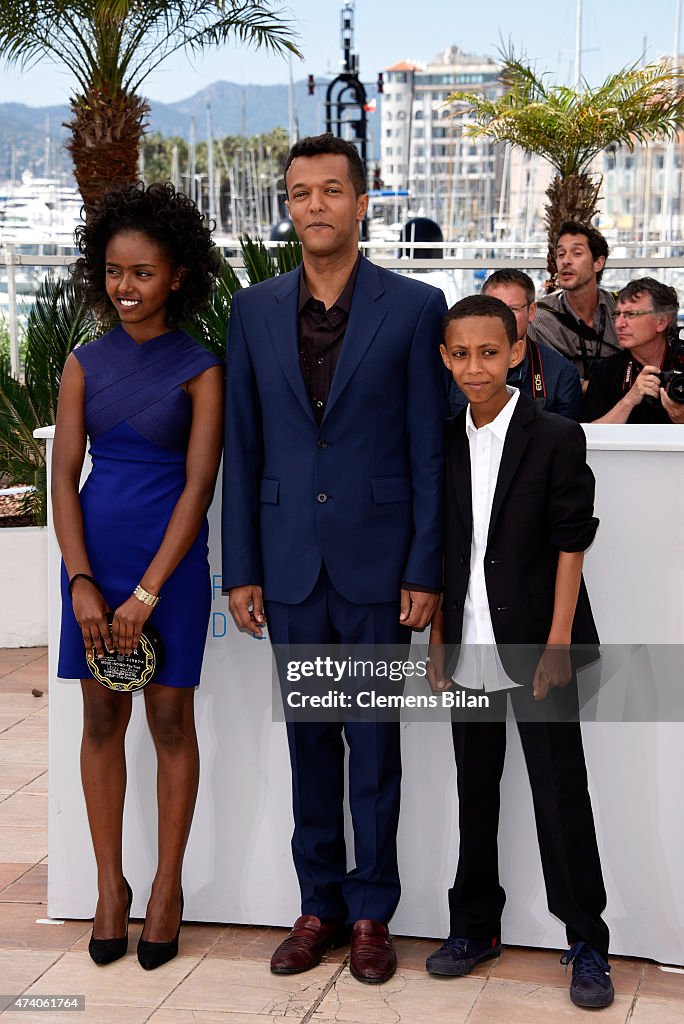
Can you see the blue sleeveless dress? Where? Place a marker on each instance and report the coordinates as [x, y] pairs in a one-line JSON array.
[[138, 419]]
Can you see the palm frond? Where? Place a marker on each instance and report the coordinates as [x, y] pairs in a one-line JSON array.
[[57, 323], [288, 256], [519, 76], [158, 29], [21, 455], [259, 263], [569, 127], [211, 328]]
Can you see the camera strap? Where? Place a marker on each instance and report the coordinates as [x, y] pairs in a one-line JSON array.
[[634, 368], [584, 333], [536, 371]]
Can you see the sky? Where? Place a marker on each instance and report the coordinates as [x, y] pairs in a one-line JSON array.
[[614, 34]]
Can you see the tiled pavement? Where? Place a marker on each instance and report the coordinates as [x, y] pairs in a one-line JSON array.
[[221, 975]]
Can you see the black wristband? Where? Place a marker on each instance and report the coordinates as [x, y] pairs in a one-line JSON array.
[[82, 576]]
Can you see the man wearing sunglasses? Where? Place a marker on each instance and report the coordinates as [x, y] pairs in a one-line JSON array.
[[626, 387]]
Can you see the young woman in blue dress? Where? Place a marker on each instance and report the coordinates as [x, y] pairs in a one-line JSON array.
[[149, 400]]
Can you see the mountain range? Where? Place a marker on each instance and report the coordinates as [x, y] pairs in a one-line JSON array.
[[235, 110]]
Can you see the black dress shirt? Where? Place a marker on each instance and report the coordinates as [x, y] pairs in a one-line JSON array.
[[321, 334]]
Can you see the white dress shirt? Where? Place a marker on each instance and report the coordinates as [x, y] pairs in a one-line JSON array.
[[479, 666]]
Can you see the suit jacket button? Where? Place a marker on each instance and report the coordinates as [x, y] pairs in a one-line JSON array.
[[322, 498], [457, 605], [322, 444], [462, 559]]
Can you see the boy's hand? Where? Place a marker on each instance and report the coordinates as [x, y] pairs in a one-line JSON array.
[[436, 668], [554, 669]]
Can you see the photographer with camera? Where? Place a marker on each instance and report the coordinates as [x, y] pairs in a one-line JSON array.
[[644, 383]]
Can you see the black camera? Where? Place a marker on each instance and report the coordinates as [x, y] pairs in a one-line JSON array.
[[673, 379]]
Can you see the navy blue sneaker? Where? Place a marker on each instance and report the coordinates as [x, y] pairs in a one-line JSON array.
[[458, 956], [591, 985]]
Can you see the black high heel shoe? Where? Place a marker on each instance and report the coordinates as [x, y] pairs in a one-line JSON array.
[[106, 951], [154, 954]]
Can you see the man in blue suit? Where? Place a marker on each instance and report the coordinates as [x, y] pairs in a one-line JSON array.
[[332, 523]]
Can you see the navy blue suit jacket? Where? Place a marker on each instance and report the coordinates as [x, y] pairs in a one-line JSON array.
[[362, 492]]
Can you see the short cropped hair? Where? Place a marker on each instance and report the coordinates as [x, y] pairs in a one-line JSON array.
[[321, 145], [663, 298], [511, 276], [597, 244], [483, 305]]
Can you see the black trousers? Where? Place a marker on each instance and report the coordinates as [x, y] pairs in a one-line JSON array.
[[554, 756]]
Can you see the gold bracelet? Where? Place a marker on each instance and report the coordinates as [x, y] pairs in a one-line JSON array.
[[146, 597]]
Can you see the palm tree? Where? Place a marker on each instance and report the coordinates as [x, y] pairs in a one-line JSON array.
[[570, 127], [110, 47]]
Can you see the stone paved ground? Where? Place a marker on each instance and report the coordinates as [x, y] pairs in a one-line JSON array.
[[221, 975]]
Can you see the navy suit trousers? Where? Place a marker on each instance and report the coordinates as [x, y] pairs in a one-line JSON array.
[[371, 888]]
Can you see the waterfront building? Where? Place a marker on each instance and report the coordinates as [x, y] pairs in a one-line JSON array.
[[451, 179]]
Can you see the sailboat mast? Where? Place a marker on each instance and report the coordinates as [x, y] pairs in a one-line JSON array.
[[666, 212], [578, 44]]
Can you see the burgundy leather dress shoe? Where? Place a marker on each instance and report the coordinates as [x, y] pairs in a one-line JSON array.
[[373, 959], [306, 944]]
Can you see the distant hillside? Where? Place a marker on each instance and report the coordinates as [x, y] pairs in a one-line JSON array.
[[235, 110], [23, 134]]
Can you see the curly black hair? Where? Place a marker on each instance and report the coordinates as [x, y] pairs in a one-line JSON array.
[[171, 220]]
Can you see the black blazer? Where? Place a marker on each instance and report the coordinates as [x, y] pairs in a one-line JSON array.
[[543, 504]]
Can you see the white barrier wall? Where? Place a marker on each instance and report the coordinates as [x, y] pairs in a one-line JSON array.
[[23, 586], [238, 867]]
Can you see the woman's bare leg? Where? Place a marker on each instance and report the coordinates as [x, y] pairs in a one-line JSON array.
[[171, 717], [103, 772]]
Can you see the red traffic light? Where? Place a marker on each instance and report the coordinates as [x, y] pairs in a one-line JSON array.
[[381, 84], [311, 85]]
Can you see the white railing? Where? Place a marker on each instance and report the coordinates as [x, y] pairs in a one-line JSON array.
[[529, 256]]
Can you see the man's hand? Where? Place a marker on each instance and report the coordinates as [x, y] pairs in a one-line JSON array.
[[417, 608], [646, 385], [675, 410], [247, 608], [554, 669]]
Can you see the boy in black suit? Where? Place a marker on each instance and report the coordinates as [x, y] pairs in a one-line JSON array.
[[519, 516]]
